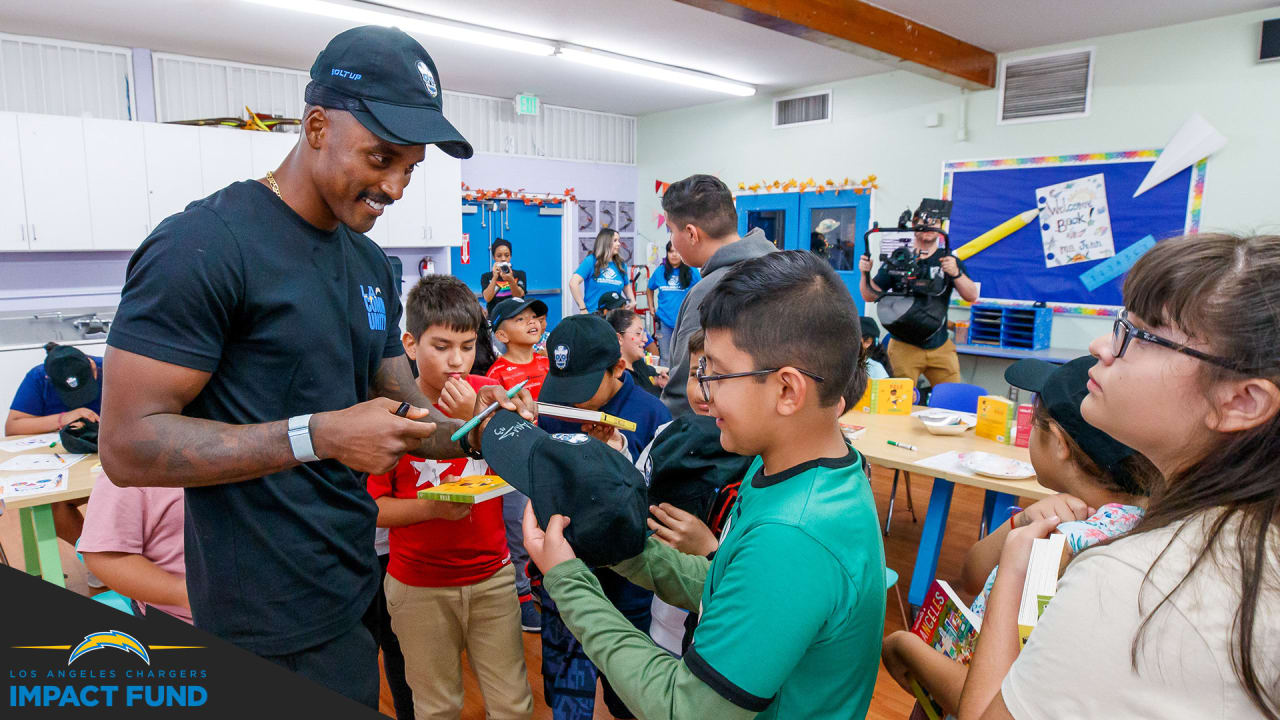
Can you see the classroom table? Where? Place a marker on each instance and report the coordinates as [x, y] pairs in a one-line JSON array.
[[1003, 495], [39, 541]]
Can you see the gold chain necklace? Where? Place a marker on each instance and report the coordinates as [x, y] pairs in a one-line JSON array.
[[275, 188]]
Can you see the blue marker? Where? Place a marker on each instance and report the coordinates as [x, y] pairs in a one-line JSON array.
[[470, 424]]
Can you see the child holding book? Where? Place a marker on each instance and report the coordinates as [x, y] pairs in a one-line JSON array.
[[520, 323], [1180, 618], [793, 601], [589, 372], [449, 577], [1102, 486]]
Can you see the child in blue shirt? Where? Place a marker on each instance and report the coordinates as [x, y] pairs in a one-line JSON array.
[[671, 281]]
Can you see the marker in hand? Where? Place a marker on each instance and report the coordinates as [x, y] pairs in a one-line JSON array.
[[469, 425]]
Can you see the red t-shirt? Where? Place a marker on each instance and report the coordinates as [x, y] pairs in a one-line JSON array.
[[509, 373], [443, 553]]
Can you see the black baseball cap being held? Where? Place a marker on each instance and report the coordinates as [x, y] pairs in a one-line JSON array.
[[512, 307], [1061, 389], [389, 83], [72, 374], [575, 475], [582, 349]]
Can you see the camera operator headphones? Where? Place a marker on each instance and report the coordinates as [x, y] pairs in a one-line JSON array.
[[915, 310]]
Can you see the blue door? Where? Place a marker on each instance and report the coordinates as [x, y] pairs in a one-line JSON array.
[[535, 248], [828, 224]]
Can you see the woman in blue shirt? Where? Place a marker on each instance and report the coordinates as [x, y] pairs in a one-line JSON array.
[[600, 272], [672, 281]]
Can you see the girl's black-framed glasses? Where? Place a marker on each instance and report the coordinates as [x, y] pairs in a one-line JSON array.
[[1124, 331], [705, 380]]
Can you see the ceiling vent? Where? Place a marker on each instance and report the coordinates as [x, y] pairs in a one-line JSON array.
[[1045, 87], [802, 110]]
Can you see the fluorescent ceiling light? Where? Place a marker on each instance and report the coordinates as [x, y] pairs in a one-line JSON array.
[[656, 71], [431, 27], [420, 24]]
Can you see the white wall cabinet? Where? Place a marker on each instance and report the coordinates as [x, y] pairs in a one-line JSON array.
[[116, 170], [173, 169], [90, 184], [226, 156], [14, 234], [54, 182]]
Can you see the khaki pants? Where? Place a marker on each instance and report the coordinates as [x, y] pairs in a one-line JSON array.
[[434, 626], [940, 365]]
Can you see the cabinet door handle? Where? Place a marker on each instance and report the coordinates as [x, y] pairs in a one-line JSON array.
[[33, 233]]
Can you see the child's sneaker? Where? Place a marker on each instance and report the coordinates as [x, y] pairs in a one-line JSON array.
[[530, 616]]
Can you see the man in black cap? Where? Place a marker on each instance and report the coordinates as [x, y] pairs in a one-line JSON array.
[[59, 391], [255, 360]]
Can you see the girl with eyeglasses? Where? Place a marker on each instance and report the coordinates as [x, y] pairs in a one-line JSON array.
[[1180, 618]]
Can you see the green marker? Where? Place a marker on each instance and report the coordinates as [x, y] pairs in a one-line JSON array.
[[470, 424], [904, 446]]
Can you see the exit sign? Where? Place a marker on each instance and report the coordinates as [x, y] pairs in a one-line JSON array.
[[527, 104]]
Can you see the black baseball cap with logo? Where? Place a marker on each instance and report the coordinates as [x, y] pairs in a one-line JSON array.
[[72, 375], [574, 475], [581, 349], [389, 83], [1061, 389], [611, 300], [512, 307]]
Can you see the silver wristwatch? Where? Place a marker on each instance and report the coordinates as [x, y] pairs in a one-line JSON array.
[[300, 438]]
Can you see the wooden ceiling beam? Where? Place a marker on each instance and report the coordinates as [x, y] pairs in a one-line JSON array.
[[867, 31]]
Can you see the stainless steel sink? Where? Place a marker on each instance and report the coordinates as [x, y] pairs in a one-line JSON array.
[[33, 329]]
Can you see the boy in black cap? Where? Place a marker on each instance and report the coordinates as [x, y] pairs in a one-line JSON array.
[[51, 396], [255, 360], [588, 371], [793, 601], [1102, 487], [611, 300]]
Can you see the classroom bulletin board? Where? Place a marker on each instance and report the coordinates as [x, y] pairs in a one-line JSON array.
[[1022, 266]]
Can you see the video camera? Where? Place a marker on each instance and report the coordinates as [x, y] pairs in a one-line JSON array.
[[898, 255]]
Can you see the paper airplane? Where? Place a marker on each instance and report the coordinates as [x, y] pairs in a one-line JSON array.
[[1196, 139]]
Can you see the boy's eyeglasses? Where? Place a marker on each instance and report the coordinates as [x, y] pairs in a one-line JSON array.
[[705, 380], [1125, 331]]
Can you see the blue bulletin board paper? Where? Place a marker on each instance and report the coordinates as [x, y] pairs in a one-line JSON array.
[[986, 193]]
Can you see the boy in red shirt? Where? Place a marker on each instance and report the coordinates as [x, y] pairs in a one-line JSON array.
[[520, 323], [449, 578]]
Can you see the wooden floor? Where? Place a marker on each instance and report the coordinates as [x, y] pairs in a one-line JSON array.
[[889, 702]]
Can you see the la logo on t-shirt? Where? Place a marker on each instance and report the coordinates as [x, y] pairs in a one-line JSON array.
[[374, 306]]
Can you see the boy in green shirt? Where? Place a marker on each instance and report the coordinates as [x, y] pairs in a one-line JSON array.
[[792, 602]]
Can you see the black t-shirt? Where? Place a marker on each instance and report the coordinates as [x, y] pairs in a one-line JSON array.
[[289, 320], [504, 291], [931, 265]]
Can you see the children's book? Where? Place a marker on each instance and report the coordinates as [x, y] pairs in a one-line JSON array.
[[888, 396], [996, 418], [470, 490], [851, 431], [1041, 583], [565, 412], [1022, 438], [947, 624]]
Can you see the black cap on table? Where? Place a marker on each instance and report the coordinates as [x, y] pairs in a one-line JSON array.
[[1061, 389], [389, 83], [582, 349], [597, 487]]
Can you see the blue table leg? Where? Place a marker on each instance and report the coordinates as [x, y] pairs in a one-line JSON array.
[[935, 525], [996, 508], [988, 505], [40, 544]]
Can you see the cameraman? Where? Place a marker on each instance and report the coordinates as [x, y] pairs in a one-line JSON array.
[[502, 282], [935, 357]]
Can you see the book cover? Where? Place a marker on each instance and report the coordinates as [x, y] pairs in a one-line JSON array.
[[894, 396], [1023, 437], [996, 417], [947, 624], [851, 431], [867, 403], [566, 412], [471, 490], [1041, 583]]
